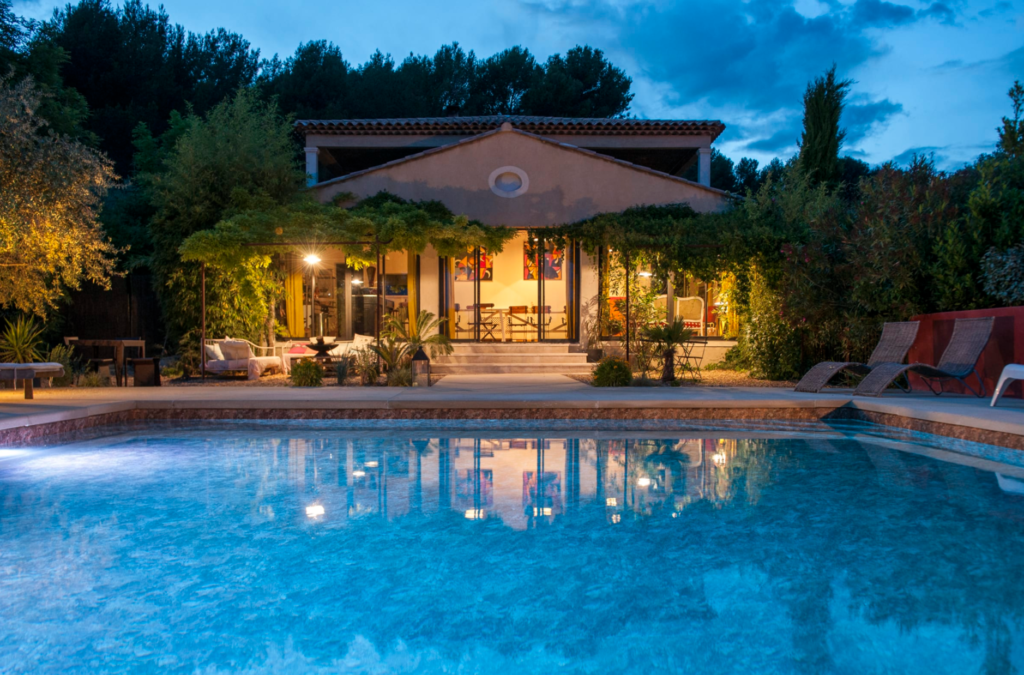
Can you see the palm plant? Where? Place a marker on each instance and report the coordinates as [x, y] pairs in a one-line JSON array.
[[423, 332], [20, 341], [393, 352], [668, 338]]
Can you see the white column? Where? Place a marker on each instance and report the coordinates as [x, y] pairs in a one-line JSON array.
[[704, 166], [312, 169]]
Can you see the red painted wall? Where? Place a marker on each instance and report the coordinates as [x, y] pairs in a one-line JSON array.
[[1005, 346]]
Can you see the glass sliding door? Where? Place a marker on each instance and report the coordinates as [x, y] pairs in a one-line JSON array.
[[528, 292]]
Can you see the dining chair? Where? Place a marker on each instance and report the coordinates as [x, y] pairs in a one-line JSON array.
[[519, 322]]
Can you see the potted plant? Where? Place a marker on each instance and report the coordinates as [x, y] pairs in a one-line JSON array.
[[590, 329]]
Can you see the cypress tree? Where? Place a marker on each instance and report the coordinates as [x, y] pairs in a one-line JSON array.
[[822, 138]]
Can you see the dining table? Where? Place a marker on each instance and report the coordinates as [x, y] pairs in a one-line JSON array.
[[119, 345]]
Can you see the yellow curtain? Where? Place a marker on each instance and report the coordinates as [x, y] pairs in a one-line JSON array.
[[293, 304], [413, 278]]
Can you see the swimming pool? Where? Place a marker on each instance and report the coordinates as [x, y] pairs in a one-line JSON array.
[[490, 548]]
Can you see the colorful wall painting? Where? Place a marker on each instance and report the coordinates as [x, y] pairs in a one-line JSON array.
[[554, 259], [465, 266]]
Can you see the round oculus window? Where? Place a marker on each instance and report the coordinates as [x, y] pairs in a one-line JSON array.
[[509, 181]]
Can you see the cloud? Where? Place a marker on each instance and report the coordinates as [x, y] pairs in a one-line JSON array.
[[995, 10], [941, 12], [1011, 61], [861, 119], [784, 139], [876, 13], [907, 156]]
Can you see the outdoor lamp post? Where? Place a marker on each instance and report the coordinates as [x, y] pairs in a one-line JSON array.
[[312, 259], [420, 369]]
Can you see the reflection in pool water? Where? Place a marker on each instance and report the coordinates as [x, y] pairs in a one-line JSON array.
[[285, 549]]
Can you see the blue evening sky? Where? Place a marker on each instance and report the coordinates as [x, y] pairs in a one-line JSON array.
[[930, 76]]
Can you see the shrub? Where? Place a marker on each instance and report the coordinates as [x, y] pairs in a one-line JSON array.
[[20, 341], [342, 369], [645, 382], [63, 355], [366, 366], [772, 344], [1003, 273], [612, 372], [307, 373], [93, 379], [173, 370], [400, 377]]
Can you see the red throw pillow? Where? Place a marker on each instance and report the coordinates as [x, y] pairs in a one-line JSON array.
[[300, 349]]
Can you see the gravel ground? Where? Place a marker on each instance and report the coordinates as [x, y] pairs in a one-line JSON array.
[[265, 381], [720, 378]]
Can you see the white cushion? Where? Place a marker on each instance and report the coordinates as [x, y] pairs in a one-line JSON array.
[[235, 350], [362, 340], [213, 352]]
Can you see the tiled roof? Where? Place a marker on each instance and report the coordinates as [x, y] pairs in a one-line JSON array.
[[480, 137], [463, 126]]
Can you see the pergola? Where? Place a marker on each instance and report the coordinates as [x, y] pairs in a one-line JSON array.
[[379, 315]]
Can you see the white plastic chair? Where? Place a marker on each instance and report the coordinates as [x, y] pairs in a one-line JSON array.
[[1011, 372]]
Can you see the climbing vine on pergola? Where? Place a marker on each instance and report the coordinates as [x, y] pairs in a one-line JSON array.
[[244, 245]]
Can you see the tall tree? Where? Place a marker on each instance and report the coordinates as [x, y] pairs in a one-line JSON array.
[[583, 83], [240, 155], [504, 80], [822, 138], [50, 238], [311, 84], [452, 79], [132, 65], [747, 175]]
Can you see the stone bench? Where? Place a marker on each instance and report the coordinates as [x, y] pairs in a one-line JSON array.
[[27, 372]]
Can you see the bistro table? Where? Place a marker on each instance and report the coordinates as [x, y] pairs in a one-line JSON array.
[[119, 345]]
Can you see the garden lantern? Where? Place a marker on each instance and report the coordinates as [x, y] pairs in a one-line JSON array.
[[420, 369]]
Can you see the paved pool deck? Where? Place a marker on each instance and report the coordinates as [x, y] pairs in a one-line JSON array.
[[507, 397]]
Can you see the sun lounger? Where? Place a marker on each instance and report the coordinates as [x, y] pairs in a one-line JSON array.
[[1011, 372], [897, 338], [27, 372], [970, 336]]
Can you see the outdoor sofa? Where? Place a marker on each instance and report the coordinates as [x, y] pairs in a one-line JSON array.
[[232, 356]]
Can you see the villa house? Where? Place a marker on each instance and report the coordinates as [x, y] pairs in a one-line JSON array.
[[521, 172]]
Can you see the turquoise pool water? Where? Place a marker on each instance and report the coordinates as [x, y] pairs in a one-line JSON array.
[[312, 548]]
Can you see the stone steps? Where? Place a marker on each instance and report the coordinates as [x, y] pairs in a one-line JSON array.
[[514, 358]]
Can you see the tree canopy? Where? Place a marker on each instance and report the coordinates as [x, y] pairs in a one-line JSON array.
[[317, 82], [203, 170], [50, 239]]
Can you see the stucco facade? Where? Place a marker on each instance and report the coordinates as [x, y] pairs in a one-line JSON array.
[[565, 183], [504, 172]]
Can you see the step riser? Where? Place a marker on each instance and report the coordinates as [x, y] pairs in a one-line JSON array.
[[524, 369], [517, 348], [477, 359]]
